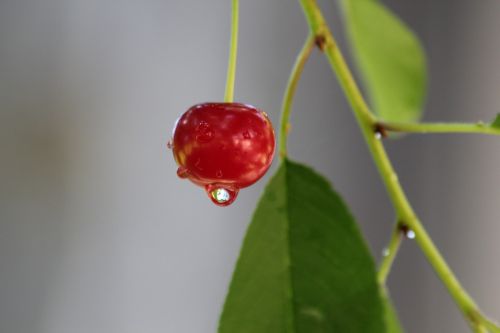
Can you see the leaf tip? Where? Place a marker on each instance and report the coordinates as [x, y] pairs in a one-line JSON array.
[[496, 122]]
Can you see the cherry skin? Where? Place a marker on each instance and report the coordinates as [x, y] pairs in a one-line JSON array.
[[223, 147]]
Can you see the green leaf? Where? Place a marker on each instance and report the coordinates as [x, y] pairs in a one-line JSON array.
[[390, 58], [304, 266], [496, 123], [391, 319]]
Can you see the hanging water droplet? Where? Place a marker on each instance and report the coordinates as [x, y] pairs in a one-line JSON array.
[[182, 172], [221, 195], [378, 135], [386, 252], [410, 234], [170, 145]]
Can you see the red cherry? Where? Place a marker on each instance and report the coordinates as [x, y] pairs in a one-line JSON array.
[[223, 147]]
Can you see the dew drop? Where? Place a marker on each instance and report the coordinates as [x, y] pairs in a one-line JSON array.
[[246, 135], [410, 234], [182, 172], [221, 195], [378, 135]]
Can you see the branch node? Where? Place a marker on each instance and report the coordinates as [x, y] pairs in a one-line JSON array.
[[320, 41], [405, 230], [473, 316], [403, 227], [380, 130]]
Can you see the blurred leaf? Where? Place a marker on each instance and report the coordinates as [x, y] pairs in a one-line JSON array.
[[390, 58], [304, 266], [496, 123], [391, 318]]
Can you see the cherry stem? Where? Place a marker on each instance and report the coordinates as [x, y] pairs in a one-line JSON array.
[[405, 213], [478, 128], [293, 81], [390, 253], [233, 53], [490, 325]]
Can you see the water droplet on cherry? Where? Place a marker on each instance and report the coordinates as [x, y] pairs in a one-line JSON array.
[[221, 195], [182, 172], [246, 135], [203, 132], [219, 174], [197, 164]]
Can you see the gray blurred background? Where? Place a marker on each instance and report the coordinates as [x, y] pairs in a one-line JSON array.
[[97, 234]]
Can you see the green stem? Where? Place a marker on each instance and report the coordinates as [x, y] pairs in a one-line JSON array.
[[367, 123], [390, 254], [489, 324], [233, 52], [326, 43], [480, 128], [293, 81], [479, 329]]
